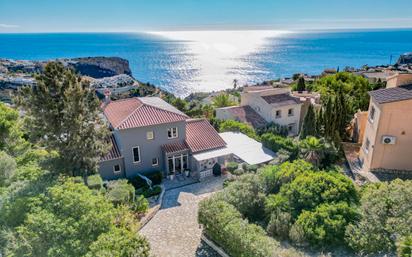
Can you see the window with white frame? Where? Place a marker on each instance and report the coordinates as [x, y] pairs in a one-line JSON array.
[[372, 114], [155, 161], [172, 133], [149, 135], [278, 114], [136, 154], [116, 168], [290, 112]]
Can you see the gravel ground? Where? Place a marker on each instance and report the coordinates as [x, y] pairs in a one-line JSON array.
[[174, 231]]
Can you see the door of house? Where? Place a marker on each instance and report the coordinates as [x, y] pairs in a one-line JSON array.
[[177, 163]]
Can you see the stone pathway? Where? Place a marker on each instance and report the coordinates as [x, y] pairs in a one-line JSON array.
[[174, 231]]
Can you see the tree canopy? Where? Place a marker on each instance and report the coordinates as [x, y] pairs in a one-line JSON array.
[[63, 115]]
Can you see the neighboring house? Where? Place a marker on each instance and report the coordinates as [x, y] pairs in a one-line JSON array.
[[399, 79], [387, 139], [271, 104], [150, 135]]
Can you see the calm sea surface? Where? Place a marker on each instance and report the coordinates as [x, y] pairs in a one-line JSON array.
[[185, 62]]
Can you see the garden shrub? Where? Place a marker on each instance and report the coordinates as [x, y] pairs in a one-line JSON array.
[[326, 224], [232, 166], [95, 182], [274, 176], [249, 168], [276, 142], [217, 169], [238, 172], [246, 195], [236, 126], [386, 216], [273, 128], [404, 247], [152, 192], [279, 225], [120, 192], [140, 205], [225, 226], [311, 189]]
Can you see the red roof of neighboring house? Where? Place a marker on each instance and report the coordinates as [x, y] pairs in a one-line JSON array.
[[247, 115], [141, 112], [201, 136], [175, 147], [114, 152]]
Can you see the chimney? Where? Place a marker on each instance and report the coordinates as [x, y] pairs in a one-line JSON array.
[[107, 94]]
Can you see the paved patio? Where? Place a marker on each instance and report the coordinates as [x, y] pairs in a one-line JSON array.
[[174, 231]]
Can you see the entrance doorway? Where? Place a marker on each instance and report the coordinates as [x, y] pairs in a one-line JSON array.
[[177, 163]]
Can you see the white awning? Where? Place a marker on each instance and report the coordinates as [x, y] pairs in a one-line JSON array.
[[246, 148], [212, 154]]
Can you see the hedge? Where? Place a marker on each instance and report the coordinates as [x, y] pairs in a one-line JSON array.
[[232, 166], [225, 226], [95, 182]]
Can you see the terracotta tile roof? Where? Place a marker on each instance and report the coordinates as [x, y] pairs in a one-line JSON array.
[[393, 94], [175, 147], [281, 99], [247, 115], [201, 136], [141, 112], [114, 152]]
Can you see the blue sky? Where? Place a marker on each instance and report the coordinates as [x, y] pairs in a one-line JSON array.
[[152, 15]]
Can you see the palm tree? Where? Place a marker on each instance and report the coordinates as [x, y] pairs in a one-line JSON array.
[[235, 81], [313, 150], [222, 100]]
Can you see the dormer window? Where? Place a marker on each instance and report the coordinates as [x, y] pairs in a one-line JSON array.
[[278, 114], [172, 133]]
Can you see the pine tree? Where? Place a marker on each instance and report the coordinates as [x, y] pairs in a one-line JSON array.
[[63, 113], [309, 123]]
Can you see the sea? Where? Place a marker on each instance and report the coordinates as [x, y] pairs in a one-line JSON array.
[[183, 62]]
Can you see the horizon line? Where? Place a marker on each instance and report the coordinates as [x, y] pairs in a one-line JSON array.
[[209, 29]]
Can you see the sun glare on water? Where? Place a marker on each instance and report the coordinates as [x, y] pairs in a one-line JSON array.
[[219, 56]]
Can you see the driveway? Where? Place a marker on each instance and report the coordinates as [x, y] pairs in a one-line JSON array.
[[174, 231]]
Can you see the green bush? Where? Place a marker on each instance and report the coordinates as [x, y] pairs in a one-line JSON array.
[[274, 176], [120, 192], [238, 172], [246, 194], [326, 224], [140, 205], [95, 182], [236, 126], [404, 247], [225, 226], [250, 168], [276, 142], [273, 128], [232, 166], [386, 216], [147, 192]]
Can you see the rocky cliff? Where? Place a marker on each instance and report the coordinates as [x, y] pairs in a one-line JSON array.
[[99, 67], [405, 59]]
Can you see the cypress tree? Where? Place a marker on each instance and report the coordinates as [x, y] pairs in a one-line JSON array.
[[301, 84], [309, 123]]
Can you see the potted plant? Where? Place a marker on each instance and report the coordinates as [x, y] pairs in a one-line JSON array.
[[187, 172], [171, 176]]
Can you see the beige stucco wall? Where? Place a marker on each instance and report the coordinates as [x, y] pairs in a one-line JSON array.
[[392, 119], [399, 80], [268, 112]]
